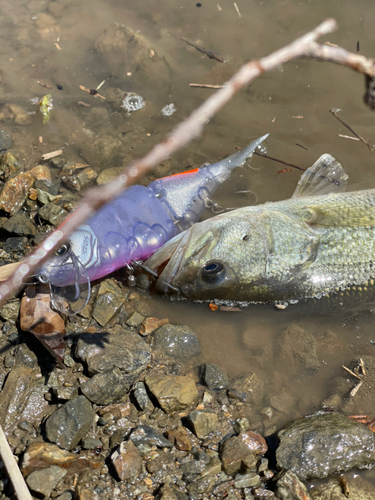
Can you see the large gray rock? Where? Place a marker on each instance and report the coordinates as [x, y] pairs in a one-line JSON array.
[[106, 387], [102, 351], [70, 423], [177, 342], [315, 447]]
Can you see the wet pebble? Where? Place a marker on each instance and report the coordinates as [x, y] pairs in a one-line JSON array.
[[10, 310], [103, 351], [315, 447], [127, 461], [135, 320], [106, 387], [176, 341], [52, 213], [232, 453], [180, 439], [42, 482], [289, 487], [90, 443], [142, 398], [214, 377], [70, 423], [145, 434], [250, 480], [173, 393], [20, 224], [202, 422], [15, 244], [151, 324], [109, 300]]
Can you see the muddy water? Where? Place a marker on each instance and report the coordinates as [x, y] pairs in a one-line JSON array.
[[53, 42]]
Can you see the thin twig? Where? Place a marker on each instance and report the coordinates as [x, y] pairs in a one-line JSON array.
[[351, 373], [334, 113], [205, 86], [348, 137], [208, 53], [53, 154], [185, 132], [13, 471], [278, 161]]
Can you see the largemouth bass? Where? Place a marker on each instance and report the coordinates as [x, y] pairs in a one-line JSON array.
[[319, 243]]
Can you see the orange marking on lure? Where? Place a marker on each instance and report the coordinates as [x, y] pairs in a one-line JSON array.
[[182, 173]]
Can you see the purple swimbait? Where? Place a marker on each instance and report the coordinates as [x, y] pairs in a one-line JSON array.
[[137, 223]]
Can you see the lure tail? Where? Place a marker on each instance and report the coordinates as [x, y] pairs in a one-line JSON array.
[[186, 195]]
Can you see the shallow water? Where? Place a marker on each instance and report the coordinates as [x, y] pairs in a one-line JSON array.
[[53, 42]]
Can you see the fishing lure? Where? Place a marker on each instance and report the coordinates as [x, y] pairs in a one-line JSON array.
[[131, 228]]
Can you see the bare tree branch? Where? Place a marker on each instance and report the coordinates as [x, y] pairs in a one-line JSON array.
[[186, 131]]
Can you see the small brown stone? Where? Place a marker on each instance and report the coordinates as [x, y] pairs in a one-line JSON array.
[[149, 325], [15, 191], [37, 317], [233, 452], [179, 440], [255, 442], [127, 461]]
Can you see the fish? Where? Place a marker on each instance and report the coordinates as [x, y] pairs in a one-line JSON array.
[[130, 228], [319, 243]]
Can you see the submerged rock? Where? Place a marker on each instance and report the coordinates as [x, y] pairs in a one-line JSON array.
[[70, 423], [14, 192], [173, 393], [103, 351], [176, 341], [296, 350], [249, 388], [324, 444], [6, 140]]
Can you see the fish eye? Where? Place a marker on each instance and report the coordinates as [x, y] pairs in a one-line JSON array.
[[63, 249], [213, 272]]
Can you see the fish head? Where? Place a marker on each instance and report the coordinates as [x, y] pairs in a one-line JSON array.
[[214, 259], [66, 272]]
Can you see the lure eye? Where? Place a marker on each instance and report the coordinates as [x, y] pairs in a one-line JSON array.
[[64, 249], [213, 272]]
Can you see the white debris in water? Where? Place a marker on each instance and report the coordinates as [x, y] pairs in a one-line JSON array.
[[133, 102], [169, 109]]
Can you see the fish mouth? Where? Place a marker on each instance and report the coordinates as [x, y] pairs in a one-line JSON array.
[[175, 256]]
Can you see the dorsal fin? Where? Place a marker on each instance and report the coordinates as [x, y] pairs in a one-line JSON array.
[[325, 176]]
